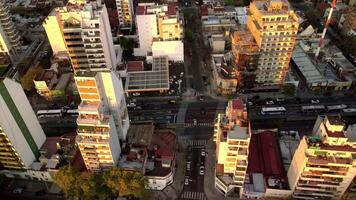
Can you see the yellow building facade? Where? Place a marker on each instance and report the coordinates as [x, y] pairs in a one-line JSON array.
[[232, 137], [324, 164], [274, 26]]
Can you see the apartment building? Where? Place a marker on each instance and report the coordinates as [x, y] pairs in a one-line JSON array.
[[21, 135], [103, 119], [324, 164], [125, 12], [245, 54], [82, 30], [274, 26], [9, 37], [158, 24], [232, 137], [262, 51]]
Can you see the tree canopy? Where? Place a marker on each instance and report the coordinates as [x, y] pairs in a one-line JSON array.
[[189, 35], [69, 180], [27, 79], [126, 183], [93, 186], [289, 89]]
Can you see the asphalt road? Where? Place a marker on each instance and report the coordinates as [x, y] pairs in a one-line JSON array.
[[195, 51], [293, 108]]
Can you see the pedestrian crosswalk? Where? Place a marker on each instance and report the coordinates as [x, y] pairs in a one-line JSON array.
[[193, 195], [198, 124], [191, 142]]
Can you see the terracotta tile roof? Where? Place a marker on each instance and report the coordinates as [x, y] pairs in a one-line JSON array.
[[140, 10], [164, 141], [237, 103], [204, 10], [265, 155], [172, 9], [134, 66]]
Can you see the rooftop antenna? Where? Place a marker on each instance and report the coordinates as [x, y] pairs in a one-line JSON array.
[[321, 41]]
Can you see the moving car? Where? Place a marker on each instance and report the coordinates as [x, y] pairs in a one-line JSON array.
[[201, 170], [269, 102], [202, 153], [186, 180], [315, 101]]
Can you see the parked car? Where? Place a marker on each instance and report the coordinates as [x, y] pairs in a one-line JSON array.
[[315, 101], [201, 170], [186, 180], [202, 153], [280, 99], [172, 101], [136, 94], [269, 102], [131, 105], [17, 190], [188, 166]]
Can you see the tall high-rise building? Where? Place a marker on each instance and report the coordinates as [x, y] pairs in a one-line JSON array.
[[324, 164], [103, 118], [156, 23], [232, 136], [21, 135], [124, 13], [9, 37], [273, 25], [83, 31]]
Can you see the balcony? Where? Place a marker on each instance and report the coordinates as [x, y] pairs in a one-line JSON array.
[[88, 140]]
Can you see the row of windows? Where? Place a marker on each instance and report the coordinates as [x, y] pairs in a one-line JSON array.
[[274, 19], [275, 54], [275, 58], [277, 44], [277, 49], [278, 27], [279, 39], [279, 33]]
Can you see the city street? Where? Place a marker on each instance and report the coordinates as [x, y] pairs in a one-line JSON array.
[[194, 175]]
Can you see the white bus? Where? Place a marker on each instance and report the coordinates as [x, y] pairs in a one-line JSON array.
[[72, 112], [347, 110], [49, 113], [336, 107], [313, 108], [273, 110]]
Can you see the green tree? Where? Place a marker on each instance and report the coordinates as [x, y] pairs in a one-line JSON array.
[[187, 14], [314, 16], [126, 183], [27, 79], [229, 2], [289, 89], [189, 35], [68, 178], [93, 186], [128, 45], [348, 44]]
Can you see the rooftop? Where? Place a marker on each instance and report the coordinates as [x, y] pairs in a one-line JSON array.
[[273, 6], [140, 134], [237, 103], [308, 69], [156, 79], [265, 157], [238, 132], [134, 66]]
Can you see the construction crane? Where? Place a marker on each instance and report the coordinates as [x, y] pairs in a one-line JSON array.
[[321, 41]]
